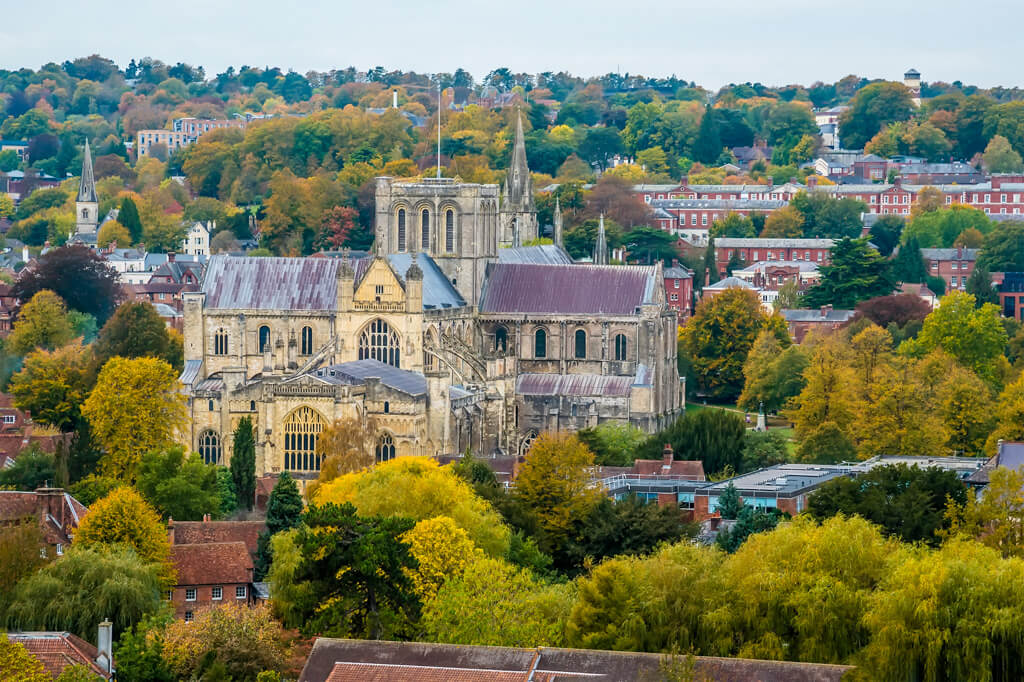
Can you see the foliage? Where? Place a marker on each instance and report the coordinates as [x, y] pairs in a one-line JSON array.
[[749, 520], [52, 385], [613, 443], [773, 374], [714, 437], [885, 233], [135, 408], [80, 277], [419, 488], [18, 665], [898, 309], [1000, 157], [729, 502], [1009, 413], [785, 223], [346, 446], [42, 323], [139, 651], [20, 540], [442, 551], [226, 496], [1003, 248], [32, 469], [245, 640], [719, 337], [872, 108], [856, 273], [135, 330], [357, 569], [994, 519], [764, 449], [826, 444], [290, 597], [284, 508], [93, 487], [179, 486], [243, 463], [124, 518], [908, 265], [88, 585], [941, 228], [979, 285]]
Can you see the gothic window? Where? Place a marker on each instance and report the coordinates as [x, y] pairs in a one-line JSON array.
[[379, 342], [425, 229], [581, 344], [385, 448], [387, 407], [301, 430], [401, 229], [85, 214], [428, 357], [540, 344], [264, 338], [307, 341], [620, 347], [220, 342], [209, 447], [501, 339], [449, 230]]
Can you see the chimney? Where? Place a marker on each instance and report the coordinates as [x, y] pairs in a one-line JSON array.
[[206, 518], [675, 262], [770, 180], [170, 530], [104, 652], [667, 456], [812, 180], [394, 99], [826, 309], [24, 253], [170, 256], [999, 450], [959, 252]]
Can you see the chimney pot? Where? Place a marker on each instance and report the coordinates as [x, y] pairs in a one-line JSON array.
[[104, 649]]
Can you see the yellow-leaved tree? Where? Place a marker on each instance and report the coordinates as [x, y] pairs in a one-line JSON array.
[[42, 323], [443, 552], [419, 488], [135, 407], [346, 446], [1009, 416]]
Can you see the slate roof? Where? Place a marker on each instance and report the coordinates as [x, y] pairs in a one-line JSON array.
[[772, 243], [752, 204], [567, 289], [815, 315], [204, 532], [545, 254], [950, 254], [59, 650], [573, 384], [358, 371], [191, 371], [233, 283], [729, 283], [212, 563], [678, 272], [761, 266], [438, 292], [341, 660]]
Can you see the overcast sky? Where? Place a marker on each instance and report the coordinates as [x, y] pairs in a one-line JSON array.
[[712, 42]]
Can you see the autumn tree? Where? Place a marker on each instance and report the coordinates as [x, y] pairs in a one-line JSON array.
[[124, 518], [1009, 414], [18, 664], [135, 330], [243, 462], [345, 446], [113, 233], [42, 323], [1000, 157], [240, 640], [20, 542], [135, 407], [772, 374], [786, 222], [874, 107], [827, 396], [53, 385], [719, 337], [442, 551], [80, 277]]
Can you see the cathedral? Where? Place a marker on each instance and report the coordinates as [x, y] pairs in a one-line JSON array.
[[457, 333]]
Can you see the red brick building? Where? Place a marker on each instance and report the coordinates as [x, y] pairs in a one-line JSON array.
[[211, 574], [952, 265], [801, 321], [1011, 295], [679, 290], [18, 432], [755, 250], [56, 511]]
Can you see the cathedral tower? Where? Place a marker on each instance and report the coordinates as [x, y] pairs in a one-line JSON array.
[[87, 206], [518, 213]]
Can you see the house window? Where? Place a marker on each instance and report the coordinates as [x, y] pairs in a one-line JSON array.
[[209, 447], [10, 419], [675, 284], [220, 342], [401, 229], [693, 218], [252, 405], [60, 549], [379, 342], [190, 594], [301, 430], [168, 595], [217, 593], [949, 200], [188, 616], [500, 339], [425, 229], [449, 230], [620, 347], [674, 297], [581, 344], [540, 344], [935, 265], [306, 345], [703, 218], [385, 448], [264, 339]]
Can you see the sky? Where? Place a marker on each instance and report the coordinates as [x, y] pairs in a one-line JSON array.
[[712, 42]]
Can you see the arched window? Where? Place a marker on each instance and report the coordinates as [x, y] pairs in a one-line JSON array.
[[210, 406], [540, 344], [449, 230], [425, 229], [387, 407], [379, 342], [401, 229], [428, 356], [620, 347], [385, 448], [264, 339], [220, 342], [306, 348], [501, 339], [252, 405], [209, 447], [301, 430], [581, 344]]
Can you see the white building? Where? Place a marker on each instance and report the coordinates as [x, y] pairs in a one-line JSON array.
[[197, 240]]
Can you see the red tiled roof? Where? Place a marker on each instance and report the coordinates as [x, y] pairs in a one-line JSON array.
[[382, 672], [688, 470], [205, 532], [567, 289], [58, 650], [213, 563], [16, 505]]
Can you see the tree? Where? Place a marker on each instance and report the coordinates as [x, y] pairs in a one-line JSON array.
[[613, 443], [710, 265], [6, 206], [397, 487], [993, 519], [32, 469], [42, 323], [941, 228], [128, 215], [1003, 249], [908, 502], [729, 502], [52, 385], [827, 396], [335, 226], [20, 542], [650, 245], [713, 437], [18, 664], [78, 275], [345, 446], [124, 518], [226, 492], [134, 408], [284, 512], [885, 233], [442, 551], [974, 336], [244, 640], [873, 108], [763, 449], [1000, 157], [898, 309], [708, 146], [554, 485], [979, 285], [1009, 415], [856, 273], [113, 234], [719, 337], [243, 462], [179, 487], [772, 375], [733, 225], [908, 266], [357, 569], [785, 222], [135, 330], [749, 520], [85, 587], [139, 651]]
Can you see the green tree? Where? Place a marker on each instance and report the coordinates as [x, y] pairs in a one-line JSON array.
[[357, 568], [748, 521], [284, 512], [613, 443], [856, 273], [243, 462], [139, 651], [941, 228], [979, 285], [710, 265], [1003, 248], [873, 108], [32, 469], [764, 449], [1000, 157], [885, 233], [179, 486], [908, 266], [226, 492], [719, 337], [42, 323], [786, 222], [128, 215], [772, 374], [708, 145], [650, 245], [20, 542], [713, 437], [135, 330], [729, 502]]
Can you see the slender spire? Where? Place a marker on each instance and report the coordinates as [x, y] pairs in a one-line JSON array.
[[518, 183], [601, 244], [556, 232], [87, 186]]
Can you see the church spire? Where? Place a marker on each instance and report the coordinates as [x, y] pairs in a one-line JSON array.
[[601, 244], [556, 231], [87, 186], [518, 184]]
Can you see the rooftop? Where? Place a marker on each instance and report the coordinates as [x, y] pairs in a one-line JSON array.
[[358, 371], [519, 288], [772, 243], [212, 563]]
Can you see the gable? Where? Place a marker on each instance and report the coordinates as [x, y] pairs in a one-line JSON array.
[[379, 286]]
